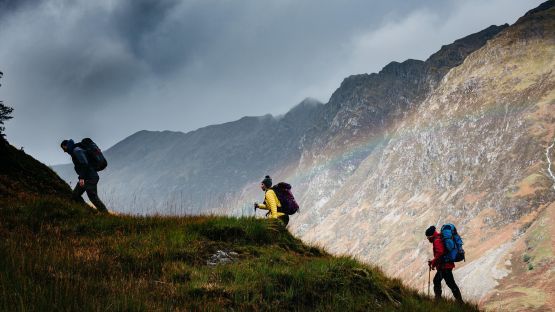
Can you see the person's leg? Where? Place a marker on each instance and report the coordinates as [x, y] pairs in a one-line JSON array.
[[92, 192], [450, 281], [284, 219], [437, 284], [77, 192]]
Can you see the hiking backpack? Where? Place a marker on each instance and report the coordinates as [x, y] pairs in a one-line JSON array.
[[453, 243], [94, 154], [289, 205]]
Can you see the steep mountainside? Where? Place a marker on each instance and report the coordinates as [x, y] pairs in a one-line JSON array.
[[473, 153], [368, 102], [353, 123]]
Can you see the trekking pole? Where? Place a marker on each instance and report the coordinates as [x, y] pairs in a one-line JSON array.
[[429, 277]]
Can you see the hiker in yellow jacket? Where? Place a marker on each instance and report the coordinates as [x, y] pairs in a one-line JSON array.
[[271, 202]]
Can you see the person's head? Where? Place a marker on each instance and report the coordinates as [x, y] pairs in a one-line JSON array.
[[266, 183], [430, 233], [66, 145]]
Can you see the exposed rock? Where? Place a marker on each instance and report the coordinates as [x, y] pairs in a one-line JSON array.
[[222, 257]]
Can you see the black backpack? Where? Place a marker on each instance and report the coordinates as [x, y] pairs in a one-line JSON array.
[[94, 154], [289, 205]]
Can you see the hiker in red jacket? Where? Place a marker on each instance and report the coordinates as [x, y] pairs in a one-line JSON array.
[[444, 269]]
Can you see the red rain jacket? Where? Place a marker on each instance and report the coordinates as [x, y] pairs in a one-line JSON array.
[[439, 250]]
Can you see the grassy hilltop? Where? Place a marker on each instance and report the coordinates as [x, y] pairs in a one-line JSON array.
[[59, 256]]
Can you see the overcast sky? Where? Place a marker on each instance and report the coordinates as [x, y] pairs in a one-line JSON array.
[[109, 68]]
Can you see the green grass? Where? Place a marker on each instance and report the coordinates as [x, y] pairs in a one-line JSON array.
[[59, 256]]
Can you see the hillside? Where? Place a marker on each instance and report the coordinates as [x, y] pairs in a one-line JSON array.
[[462, 137], [59, 256], [22, 176]]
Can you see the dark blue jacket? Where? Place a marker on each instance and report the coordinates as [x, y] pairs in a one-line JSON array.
[[80, 162]]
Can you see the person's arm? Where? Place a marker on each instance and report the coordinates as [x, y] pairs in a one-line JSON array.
[[271, 203], [84, 168], [262, 206]]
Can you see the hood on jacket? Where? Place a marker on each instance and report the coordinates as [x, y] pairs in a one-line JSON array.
[[70, 146]]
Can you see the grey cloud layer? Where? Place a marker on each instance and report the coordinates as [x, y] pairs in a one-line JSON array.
[[108, 68]]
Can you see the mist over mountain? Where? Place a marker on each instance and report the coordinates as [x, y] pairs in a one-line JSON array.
[[174, 172], [462, 137]]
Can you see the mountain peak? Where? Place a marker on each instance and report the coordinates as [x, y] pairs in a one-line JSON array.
[[542, 7], [302, 111], [307, 104], [309, 101]]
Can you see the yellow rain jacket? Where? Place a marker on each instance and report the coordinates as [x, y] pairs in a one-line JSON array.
[[271, 203]]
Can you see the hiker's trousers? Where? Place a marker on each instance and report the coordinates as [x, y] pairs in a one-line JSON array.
[[447, 275], [91, 188], [284, 219]]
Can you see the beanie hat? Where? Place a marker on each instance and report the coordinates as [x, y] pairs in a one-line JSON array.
[[267, 181], [430, 231]]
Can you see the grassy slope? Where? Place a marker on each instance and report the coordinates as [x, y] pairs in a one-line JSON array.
[[55, 255], [60, 256], [21, 176]]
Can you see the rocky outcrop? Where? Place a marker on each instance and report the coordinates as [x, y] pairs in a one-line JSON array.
[[362, 111], [369, 102]]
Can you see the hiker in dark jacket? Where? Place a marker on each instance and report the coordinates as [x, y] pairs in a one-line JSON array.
[[88, 177], [444, 269]]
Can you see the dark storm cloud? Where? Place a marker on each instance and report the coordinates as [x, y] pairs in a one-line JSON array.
[[142, 26], [103, 50], [107, 68], [7, 6]]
